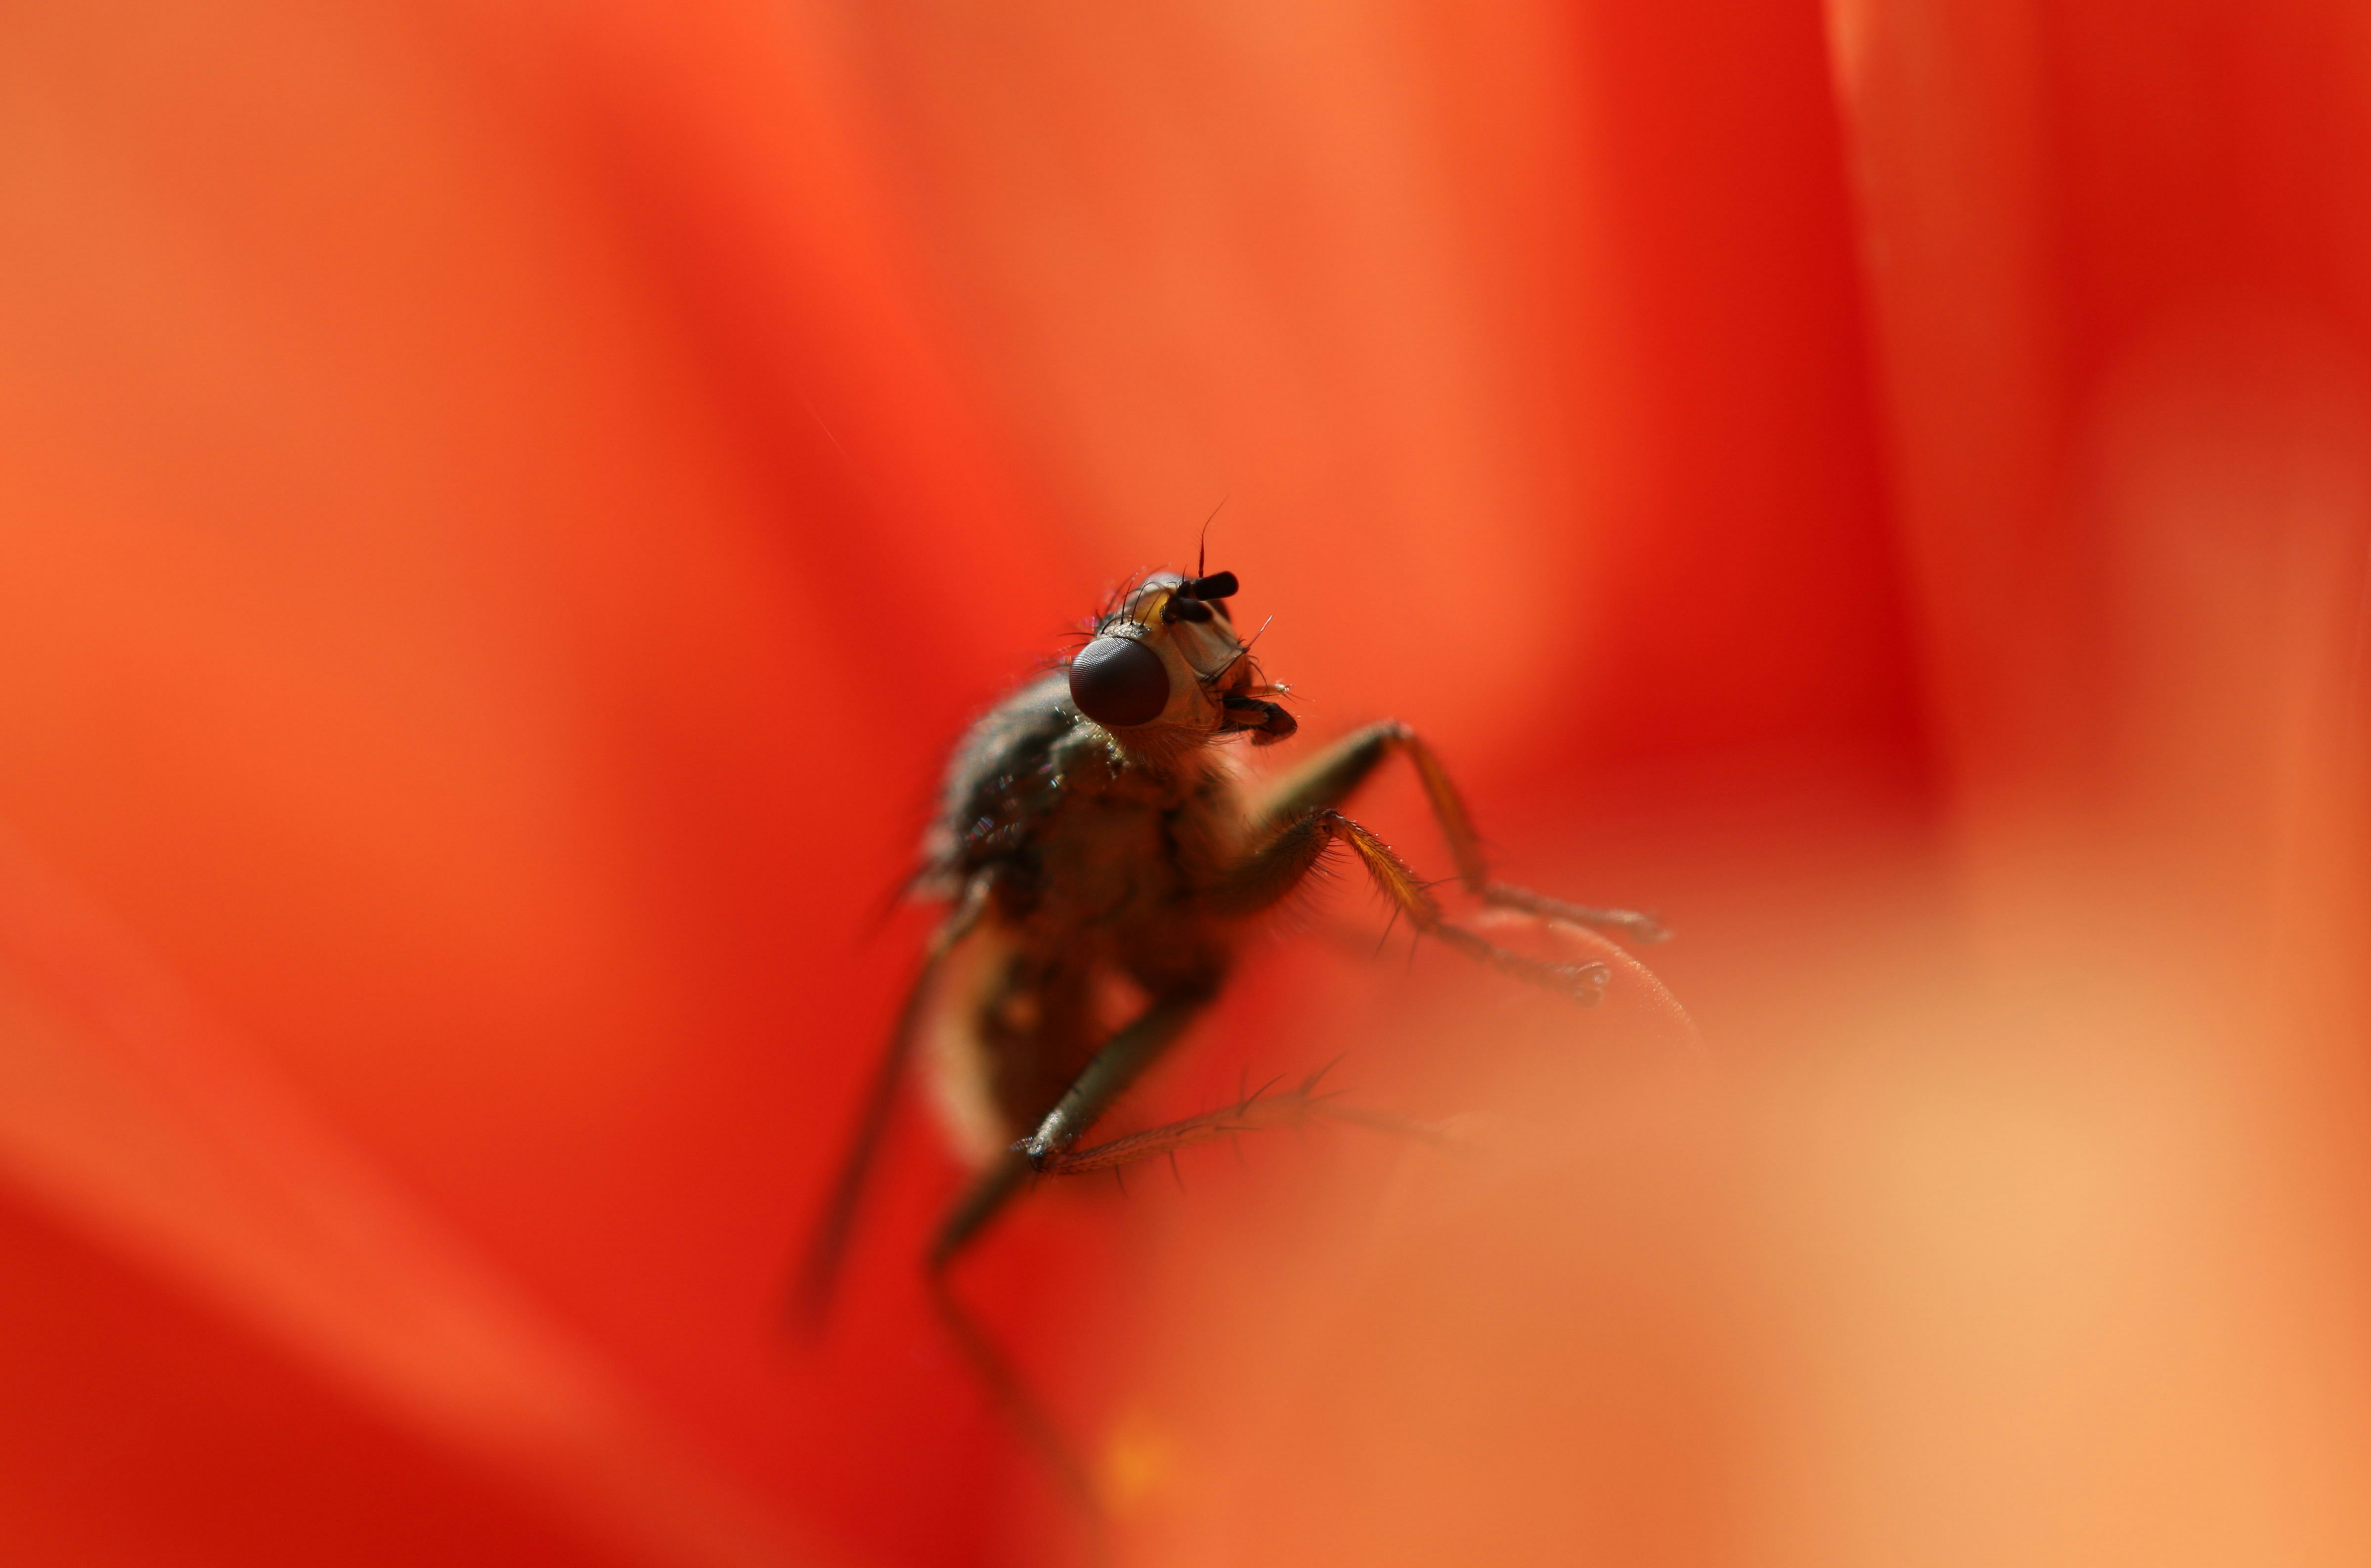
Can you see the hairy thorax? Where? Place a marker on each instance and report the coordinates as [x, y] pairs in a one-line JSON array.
[[1121, 866]]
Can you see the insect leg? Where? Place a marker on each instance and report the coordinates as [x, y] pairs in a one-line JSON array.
[[1254, 1112], [1274, 868], [1011, 1395], [1007, 1390], [982, 1200], [1114, 1066], [1330, 778], [1629, 923], [829, 1244]]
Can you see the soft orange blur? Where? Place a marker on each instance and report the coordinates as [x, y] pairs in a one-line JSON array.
[[506, 506]]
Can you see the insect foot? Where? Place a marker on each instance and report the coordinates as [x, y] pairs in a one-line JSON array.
[[1629, 923], [1585, 982]]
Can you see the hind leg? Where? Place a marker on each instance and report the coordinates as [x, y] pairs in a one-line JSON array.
[[1007, 1390], [829, 1246], [1114, 1068], [1255, 1111]]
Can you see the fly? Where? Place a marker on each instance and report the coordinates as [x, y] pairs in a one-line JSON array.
[[1092, 826]]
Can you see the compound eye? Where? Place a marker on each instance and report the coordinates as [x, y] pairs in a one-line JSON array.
[[1117, 681]]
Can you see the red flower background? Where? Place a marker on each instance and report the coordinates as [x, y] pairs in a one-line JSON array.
[[506, 505]]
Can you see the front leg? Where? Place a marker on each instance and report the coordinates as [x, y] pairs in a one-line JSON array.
[[1334, 775], [1270, 874]]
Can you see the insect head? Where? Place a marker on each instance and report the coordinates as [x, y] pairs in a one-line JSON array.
[[1168, 655]]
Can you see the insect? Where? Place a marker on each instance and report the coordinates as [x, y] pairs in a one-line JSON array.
[[1095, 829]]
